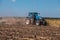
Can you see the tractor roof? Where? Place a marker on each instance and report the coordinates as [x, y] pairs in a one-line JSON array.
[[33, 13]]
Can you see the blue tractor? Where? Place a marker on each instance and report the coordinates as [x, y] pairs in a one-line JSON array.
[[35, 18]]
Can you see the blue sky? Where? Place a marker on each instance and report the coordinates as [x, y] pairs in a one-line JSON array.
[[46, 8]]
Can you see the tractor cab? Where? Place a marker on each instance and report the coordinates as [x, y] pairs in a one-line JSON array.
[[33, 14]]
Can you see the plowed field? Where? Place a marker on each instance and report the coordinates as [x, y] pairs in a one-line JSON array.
[[15, 29], [28, 32]]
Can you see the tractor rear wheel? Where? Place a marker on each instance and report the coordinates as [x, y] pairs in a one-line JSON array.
[[44, 23]]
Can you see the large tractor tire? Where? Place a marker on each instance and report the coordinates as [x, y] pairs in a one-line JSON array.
[[44, 23]]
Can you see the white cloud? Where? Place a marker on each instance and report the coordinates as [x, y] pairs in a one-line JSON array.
[[13, 0]]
